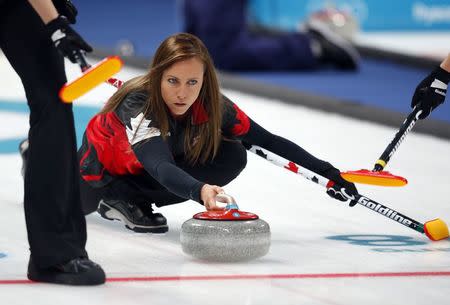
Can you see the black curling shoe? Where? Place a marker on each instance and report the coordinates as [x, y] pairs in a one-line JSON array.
[[79, 271], [132, 216]]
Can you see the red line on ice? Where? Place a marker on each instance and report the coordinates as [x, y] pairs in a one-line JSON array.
[[255, 277]]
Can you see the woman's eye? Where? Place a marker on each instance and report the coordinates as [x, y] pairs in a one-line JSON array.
[[172, 80], [192, 82]]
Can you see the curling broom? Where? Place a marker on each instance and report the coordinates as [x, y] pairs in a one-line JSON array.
[[435, 229], [92, 76], [378, 176]]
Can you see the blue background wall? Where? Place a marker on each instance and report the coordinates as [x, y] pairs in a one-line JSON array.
[[372, 15], [145, 23]]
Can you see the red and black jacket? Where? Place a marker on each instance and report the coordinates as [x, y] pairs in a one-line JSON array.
[[123, 142]]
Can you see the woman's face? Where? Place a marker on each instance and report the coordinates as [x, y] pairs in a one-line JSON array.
[[181, 84]]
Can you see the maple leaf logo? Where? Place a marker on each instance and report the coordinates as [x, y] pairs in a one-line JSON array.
[[140, 129]]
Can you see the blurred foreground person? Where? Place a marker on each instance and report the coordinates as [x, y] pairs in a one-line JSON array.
[[34, 36]]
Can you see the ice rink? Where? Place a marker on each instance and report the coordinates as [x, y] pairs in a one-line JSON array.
[[322, 251]]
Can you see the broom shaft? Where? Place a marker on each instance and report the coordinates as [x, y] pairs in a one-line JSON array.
[[360, 199], [406, 127]]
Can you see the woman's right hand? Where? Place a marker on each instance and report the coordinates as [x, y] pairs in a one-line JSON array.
[[208, 195]]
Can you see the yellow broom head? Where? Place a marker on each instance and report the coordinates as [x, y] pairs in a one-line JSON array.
[[436, 229], [382, 178], [91, 78]]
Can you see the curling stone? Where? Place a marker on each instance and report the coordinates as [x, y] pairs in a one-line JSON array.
[[226, 235]]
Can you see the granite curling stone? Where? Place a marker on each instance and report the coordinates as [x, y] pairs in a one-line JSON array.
[[227, 235]]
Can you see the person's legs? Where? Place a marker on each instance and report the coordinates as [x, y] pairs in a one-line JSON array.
[[55, 224], [240, 48], [129, 198], [230, 160]]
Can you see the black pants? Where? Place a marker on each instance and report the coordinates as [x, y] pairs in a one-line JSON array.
[[230, 160], [55, 223]]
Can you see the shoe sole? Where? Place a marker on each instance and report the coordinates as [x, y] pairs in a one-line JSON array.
[[339, 42], [110, 213], [90, 278]]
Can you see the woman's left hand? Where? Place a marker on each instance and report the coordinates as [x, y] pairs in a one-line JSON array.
[[341, 189]]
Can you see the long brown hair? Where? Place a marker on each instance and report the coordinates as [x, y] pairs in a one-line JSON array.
[[201, 141]]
